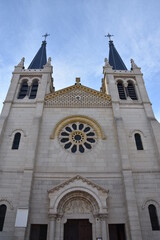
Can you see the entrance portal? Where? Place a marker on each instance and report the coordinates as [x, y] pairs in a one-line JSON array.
[[78, 229]]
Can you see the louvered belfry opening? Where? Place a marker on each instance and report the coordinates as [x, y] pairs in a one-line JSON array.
[[121, 91], [131, 91], [34, 88], [23, 90]]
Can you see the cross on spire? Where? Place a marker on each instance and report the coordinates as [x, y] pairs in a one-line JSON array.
[[109, 36], [45, 36]]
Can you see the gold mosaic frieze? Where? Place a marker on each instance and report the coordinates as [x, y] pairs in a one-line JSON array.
[[77, 95]]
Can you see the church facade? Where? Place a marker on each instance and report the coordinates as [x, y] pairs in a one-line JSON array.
[[78, 163]]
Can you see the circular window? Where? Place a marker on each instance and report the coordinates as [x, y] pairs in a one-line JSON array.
[[77, 137]]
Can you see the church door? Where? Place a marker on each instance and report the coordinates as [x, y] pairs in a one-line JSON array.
[[78, 229], [117, 232]]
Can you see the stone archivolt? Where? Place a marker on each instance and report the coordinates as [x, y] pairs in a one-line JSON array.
[[78, 202], [6, 201], [78, 195], [78, 118]]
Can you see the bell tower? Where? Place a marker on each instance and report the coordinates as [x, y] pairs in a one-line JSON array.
[[125, 86], [20, 124], [129, 100]]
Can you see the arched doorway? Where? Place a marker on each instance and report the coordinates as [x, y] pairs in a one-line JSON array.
[[78, 210]]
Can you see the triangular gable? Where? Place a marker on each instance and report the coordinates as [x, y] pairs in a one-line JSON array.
[[76, 179], [78, 96]]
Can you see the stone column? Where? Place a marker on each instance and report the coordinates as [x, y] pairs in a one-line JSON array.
[[98, 227], [104, 227], [59, 229], [52, 227]]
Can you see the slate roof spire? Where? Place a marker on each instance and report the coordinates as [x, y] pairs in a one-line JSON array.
[[40, 58], [114, 58]]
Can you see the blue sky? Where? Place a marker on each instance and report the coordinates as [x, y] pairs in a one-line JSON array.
[[77, 44]]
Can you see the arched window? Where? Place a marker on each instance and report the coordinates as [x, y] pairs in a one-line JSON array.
[[131, 91], [3, 210], [23, 90], [153, 217], [121, 91], [33, 91], [138, 141], [16, 140]]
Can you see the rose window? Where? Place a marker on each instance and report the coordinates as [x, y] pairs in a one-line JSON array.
[[77, 137]]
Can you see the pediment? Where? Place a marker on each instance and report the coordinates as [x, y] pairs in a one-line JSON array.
[[78, 181], [80, 188], [77, 96]]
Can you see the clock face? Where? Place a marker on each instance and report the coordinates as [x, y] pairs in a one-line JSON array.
[[77, 137]]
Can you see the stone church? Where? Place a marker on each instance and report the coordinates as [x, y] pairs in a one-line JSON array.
[[77, 163]]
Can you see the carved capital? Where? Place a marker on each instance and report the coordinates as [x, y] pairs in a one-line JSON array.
[[52, 217], [103, 217]]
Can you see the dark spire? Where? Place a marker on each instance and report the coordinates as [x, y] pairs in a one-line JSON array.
[[40, 59], [114, 58]]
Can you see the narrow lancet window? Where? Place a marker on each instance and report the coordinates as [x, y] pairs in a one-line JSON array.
[[16, 140], [153, 217], [121, 91], [23, 90], [131, 91], [33, 91], [138, 141], [3, 210]]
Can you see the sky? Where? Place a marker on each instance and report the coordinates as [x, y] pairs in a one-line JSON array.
[[77, 44]]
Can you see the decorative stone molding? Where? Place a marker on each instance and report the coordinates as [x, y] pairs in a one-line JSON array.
[[77, 202], [78, 118], [132, 132], [125, 80], [79, 195], [22, 79], [83, 179], [30, 78], [131, 80], [149, 201], [53, 216], [6, 202], [103, 216], [18, 130]]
